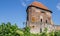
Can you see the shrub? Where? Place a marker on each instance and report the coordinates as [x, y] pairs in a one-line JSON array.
[[13, 30]]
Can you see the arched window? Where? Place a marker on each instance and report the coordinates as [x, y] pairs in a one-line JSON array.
[[46, 21], [41, 20]]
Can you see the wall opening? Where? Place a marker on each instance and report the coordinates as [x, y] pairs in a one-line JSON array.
[[41, 20], [46, 21]]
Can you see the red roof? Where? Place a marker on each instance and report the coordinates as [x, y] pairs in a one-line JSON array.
[[38, 4]]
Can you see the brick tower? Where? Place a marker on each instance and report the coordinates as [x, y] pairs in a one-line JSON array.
[[38, 17]]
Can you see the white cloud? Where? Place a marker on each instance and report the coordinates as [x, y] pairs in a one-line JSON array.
[[24, 4], [58, 6]]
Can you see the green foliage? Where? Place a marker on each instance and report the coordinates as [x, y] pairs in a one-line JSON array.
[[13, 30], [27, 31], [57, 33], [8, 30]]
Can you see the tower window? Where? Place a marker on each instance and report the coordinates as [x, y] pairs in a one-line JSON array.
[[33, 26], [46, 21], [41, 20]]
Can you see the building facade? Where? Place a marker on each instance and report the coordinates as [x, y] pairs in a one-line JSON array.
[[39, 17]]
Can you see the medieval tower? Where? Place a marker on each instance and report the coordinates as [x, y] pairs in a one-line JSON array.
[[39, 17]]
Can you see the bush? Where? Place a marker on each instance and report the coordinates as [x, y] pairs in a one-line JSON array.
[[13, 30], [8, 30]]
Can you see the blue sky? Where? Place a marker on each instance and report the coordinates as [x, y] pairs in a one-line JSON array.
[[14, 11]]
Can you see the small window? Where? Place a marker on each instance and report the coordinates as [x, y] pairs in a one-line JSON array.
[[41, 20], [46, 21], [33, 26]]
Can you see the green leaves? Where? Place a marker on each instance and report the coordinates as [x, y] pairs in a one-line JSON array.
[[26, 31], [20, 32], [13, 30], [57, 33], [8, 29]]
